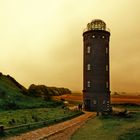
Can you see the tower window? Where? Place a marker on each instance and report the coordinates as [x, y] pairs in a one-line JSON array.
[[106, 84], [88, 67], [88, 49], [103, 102], [108, 102], [106, 50], [93, 36], [88, 84], [103, 36], [106, 67], [94, 102]]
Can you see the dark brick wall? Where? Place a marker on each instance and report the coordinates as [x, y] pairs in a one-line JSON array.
[[97, 96]]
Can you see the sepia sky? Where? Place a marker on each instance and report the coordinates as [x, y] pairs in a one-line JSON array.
[[41, 41]]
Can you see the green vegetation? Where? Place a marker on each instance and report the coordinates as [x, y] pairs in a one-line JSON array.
[[19, 121], [25, 116], [128, 106], [46, 92], [131, 134], [24, 109], [110, 128], [14, 96]]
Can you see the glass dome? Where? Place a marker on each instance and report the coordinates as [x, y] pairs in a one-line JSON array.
[[96, 24]]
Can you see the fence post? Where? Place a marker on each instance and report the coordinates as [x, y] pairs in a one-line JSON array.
[[1, 129]]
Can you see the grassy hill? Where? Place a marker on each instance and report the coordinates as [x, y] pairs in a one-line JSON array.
[[14, 96], [10, 86]]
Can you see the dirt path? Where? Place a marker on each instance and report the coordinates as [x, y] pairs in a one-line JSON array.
[[60, 131]]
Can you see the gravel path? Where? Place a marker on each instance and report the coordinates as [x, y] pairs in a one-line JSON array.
[[60, 131]]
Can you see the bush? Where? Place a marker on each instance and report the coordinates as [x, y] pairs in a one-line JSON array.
[[46, 92]]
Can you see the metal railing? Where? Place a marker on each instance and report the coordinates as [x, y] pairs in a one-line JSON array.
[[86, 29]]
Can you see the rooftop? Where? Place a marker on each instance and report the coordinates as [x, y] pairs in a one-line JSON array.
[[96, 24]]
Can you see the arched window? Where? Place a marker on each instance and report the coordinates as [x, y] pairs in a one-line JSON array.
[[88, 84], [94, 102], [103, 102], [88, 67], [106, 84], [106, 68], [106, 50], [88, 49]]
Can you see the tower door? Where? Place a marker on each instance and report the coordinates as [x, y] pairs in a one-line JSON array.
[[87, 105]]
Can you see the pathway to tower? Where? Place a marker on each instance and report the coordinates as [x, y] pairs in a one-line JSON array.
[[60, 131]]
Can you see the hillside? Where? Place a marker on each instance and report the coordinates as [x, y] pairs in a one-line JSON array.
[[9, 85], [15, 96]]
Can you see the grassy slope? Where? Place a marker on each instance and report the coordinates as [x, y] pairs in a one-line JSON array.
[[111, 127], [8, 87], [26, 116], [11, 94]]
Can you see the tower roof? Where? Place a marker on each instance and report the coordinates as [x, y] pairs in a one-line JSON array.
[[96, 24]]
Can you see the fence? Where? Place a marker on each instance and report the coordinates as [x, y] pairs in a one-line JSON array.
[[31, 126]]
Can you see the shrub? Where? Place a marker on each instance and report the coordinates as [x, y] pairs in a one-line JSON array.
[[46, 92]]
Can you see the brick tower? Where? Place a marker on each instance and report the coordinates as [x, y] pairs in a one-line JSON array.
[[96, 79]]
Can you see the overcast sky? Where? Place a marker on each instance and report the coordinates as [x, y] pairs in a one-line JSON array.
[[41, 41]]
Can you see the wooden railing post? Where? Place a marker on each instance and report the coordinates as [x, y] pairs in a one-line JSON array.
[[1, 129]]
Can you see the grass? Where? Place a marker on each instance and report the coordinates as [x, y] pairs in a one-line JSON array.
[[15, 118], [128, 106], [110, 128], [131, 134], [12, 97], [24, 116]]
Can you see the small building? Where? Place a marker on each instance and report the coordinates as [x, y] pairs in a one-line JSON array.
[[96, 72]]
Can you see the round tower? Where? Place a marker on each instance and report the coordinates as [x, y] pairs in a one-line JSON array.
[[96, 79]]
